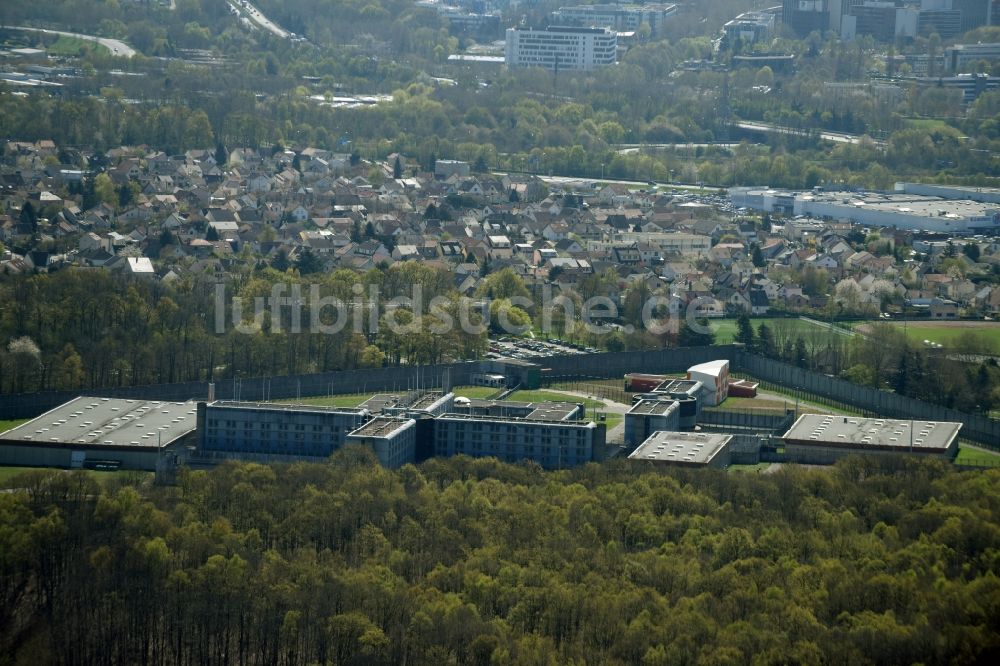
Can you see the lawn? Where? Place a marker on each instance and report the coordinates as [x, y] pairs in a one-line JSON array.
[[348, 400], [476, 392], [725, 329], [611, 419], [948, 333], [756, 469], [758, 403], [549, 396], [972, 455], [73, 46], [13, 423]]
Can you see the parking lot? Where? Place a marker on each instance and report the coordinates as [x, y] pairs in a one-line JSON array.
[[525, 348]]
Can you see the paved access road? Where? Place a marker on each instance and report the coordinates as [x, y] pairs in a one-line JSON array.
[[117, 47]]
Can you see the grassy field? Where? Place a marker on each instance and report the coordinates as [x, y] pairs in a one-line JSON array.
[[347, 400], [476, 392], [969, 454], [725, 329], [7, 425], [611, 419], [549, 396], [72, 46], [947, 333], [754, 469]]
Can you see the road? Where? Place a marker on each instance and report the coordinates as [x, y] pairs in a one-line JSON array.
[[117, 47], [256, 17], [836, 137]]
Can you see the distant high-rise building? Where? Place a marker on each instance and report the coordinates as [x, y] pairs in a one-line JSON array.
[[560, 48], [622, 18], [805, 16]]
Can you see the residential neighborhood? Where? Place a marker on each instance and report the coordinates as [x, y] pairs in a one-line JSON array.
[[196, 217]]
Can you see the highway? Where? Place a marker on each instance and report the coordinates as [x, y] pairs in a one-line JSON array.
[[117, 47], [836, 137], [259, 19]]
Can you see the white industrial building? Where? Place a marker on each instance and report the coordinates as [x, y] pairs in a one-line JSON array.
[[561, 48], [103, 433], [684, 449], [903, 209], [822, 439]]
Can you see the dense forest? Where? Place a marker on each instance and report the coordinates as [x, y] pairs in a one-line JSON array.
[[84, 329], [474, 561]]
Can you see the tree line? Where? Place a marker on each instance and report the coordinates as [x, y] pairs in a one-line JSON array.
[[474, 561]]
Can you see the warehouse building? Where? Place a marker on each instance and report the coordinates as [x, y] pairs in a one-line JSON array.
[[552, 444], [685, 449], [392, 438], [823, 439], [649, 416], [902, 209], [273, 431], [102, 433]]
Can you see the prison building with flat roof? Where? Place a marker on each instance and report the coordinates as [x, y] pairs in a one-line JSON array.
[[822, 439], [274, 431], [106, 433], [393, 439], [684, 449], [552, 444], [539, 411], [648, 416]]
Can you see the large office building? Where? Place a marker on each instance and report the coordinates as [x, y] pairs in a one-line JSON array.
[[684, 449], [822, 439], [805, 16], [622, 18], [552, 444], [561, 48], [102, 433], [274, 431], [885, 21], [959, 56], [392, 438], [748, 28]]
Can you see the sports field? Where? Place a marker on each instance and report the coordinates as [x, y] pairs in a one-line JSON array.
[[982, 335], [725, 329]]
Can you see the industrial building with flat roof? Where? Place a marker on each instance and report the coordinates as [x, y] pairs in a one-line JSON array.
[[900, 209], [273, 431], [823, 438], [685, 449], [552, 444], [392, 438], [103, 432]]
